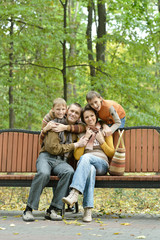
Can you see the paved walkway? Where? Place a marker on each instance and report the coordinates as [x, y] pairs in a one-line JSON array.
[[108, 227]]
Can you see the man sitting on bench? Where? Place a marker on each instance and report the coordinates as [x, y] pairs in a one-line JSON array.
[[56, 150]]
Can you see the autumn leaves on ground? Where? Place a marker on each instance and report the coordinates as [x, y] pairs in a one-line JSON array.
[[106, 201]]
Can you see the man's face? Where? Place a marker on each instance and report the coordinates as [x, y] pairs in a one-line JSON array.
[[73, 114], [95, 103]]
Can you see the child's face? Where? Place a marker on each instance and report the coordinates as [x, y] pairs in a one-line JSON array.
[[59, 110], [95, 103]]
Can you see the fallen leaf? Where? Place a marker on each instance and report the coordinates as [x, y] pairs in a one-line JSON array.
[[1, 228], [141, 237], [79, 233], [15, 233], [126, 224], [117, 233], [12, 225]]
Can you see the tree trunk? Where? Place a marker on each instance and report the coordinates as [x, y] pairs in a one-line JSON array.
[[64, 50], [72, 16], [11, 100], [89, 38], [101, 32]]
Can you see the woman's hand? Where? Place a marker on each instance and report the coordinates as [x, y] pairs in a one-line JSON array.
[[89, 133], [100, 137], [106, 130]]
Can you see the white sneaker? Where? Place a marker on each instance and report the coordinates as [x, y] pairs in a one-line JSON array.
[[87, 216], [53, 215], [27, 216]]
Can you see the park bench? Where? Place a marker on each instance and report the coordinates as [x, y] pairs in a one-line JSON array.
[[19, 150]]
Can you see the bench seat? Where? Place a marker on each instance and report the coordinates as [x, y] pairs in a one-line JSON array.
[[19, 150]]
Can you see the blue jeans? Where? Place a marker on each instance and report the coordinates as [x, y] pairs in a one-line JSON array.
[[122, 122], [84, 177], [47, 165]]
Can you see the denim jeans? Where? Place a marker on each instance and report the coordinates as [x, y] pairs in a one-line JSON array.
[[84, 177], [122, 122], [47, 164]]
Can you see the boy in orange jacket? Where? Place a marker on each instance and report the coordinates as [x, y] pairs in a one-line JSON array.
[[104, 109]]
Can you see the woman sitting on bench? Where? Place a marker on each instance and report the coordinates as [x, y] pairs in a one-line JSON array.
[[93, 161]]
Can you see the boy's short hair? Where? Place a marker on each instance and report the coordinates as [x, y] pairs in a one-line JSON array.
[[92, 94], [59, 101]]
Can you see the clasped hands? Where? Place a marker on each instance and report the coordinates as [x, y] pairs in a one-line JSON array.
[[56, 127]]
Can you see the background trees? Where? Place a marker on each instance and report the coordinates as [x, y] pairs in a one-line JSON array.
[[64, 48]]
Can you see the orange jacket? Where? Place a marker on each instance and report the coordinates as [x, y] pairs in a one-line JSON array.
[[104, 112]]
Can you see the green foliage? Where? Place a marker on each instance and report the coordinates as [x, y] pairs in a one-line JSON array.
[[130, 74]]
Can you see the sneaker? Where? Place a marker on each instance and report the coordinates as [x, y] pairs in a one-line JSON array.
[[53, 215], [27, 216], [87, 217]]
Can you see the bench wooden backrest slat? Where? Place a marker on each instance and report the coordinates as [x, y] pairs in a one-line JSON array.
[[19, 153], [156, 150], [150, 150], [36, 149], [19, 150], [144, 150], [138, 152], [128, 147]]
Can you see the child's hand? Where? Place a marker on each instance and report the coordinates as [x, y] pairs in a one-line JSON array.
[[49, 126], [106, 130], [59, 127], [100, 137]]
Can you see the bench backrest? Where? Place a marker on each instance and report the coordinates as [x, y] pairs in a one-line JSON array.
[[19, 149]]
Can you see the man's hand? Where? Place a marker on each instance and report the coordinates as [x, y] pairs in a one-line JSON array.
[[100, 137], [106, 130], [81, 143]]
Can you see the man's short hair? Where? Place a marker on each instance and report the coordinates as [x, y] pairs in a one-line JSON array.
[[92, 94], [59, 101], [77, 105]]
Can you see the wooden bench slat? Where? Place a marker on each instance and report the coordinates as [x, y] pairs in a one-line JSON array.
[[133, 161], [127, 142], [29, 153], [36, 147], [10, 152], [19, 152], [1, 145], [144, 151], [138, 150], [25, 152], [155, 151], [15, 152], [150, 150], [4, 152]]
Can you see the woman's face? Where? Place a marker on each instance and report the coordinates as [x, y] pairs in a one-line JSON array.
[[89, 118]]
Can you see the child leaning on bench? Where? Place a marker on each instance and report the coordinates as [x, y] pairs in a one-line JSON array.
[[105, 110]]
